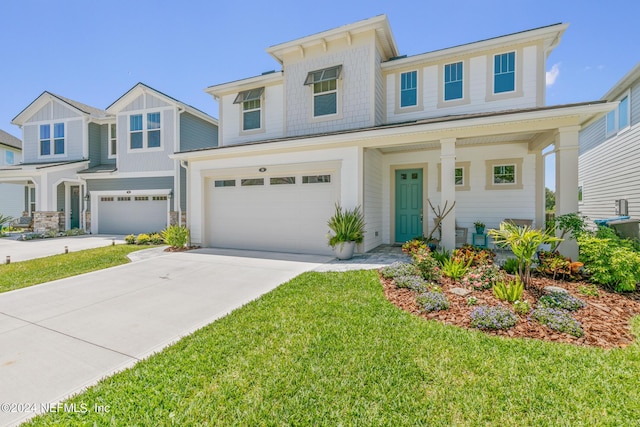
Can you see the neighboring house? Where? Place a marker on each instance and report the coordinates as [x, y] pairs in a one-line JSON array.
[[348, 120], [11, 194], [108, 171], [609, 177]]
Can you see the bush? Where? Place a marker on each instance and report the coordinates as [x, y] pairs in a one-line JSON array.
[[481, 277], [413, 246], [432, 301], [176, 236], [156, 239], [589, 290], [474, 255], [611, 261], [397, 269], [413, 282], [522, 307], [143, 239], [130, 239], [497, 317], [427, 265], [558, 319], [511, 265], [506, 290], [347, 226], [441, 256], [560, 300], [455, 268]]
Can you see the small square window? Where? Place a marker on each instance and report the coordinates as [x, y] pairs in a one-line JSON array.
[[459, 177], [403, 176], [504, 174], [414, 175]]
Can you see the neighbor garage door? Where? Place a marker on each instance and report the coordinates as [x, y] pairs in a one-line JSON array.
[[283, 212], [131, 214]]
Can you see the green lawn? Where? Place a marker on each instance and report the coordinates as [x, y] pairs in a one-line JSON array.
[[328, 349], [28, 273]]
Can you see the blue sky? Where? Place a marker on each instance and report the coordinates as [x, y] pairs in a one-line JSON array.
[[93, 52]]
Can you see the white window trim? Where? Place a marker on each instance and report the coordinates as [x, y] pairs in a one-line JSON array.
[[52, 140], [337, 91], [616, 114], [145, 131], [112, 137]]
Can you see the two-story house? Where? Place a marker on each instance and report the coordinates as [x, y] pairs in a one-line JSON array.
[[11, 194], [350, 120], [609, 157], [108, 171]]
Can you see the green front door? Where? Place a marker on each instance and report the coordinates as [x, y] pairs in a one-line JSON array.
[[408, 204], [74, 214]]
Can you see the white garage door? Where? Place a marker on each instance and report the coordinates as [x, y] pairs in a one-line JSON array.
[[286, 212], [131, 214]]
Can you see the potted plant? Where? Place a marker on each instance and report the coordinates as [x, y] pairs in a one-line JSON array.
[[479, 227], [348, 229]]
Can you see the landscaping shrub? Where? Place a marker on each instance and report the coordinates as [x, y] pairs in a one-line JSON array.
[[511, 265], [156, 239], [475, 255], [432, 301], [496, 317], [176, 236], [589, 290], [427, 265], [610, 260], [558, 319], [130, 239], [441, 256], [397, 269], [481, 277], [413, 282], [522, 307], [472, 300], [507, 290], [455, 268], [413, 246], [561, 300], [143, 239]]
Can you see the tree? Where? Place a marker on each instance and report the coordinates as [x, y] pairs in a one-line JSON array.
[[549, 200]]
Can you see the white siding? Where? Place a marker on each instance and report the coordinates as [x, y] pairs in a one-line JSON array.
[[373, 199]]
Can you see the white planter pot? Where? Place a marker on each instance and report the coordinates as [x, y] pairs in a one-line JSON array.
[[344, 250]]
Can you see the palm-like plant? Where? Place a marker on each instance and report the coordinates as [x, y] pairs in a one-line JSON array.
[[5, 219], [524, 242], [347, 225]]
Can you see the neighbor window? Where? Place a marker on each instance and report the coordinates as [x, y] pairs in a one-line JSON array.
[[453, 81], [113, 143], [409, 89], [144, 131], [618, 119], [504, 72], [251, 101], [325, 90], [58, 139], [9, 157]]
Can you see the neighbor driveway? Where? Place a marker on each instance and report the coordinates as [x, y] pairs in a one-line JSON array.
[[60, 337]]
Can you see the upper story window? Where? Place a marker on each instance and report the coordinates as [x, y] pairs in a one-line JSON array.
[[144, 131], [453, 81], [9, 158], [619, 118], [504, 72], [49, 147], [325, 90], [251, 101], [409, 89], [113, 141]]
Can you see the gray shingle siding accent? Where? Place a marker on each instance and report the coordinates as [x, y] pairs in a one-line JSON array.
[[196, 133], [379, 91], [119, 184], [95, 144]]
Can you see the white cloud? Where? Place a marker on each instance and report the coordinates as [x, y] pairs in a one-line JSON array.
[[553, 74]]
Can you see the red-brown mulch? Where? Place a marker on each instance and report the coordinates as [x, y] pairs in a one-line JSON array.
[[183, 249], [605, 319]]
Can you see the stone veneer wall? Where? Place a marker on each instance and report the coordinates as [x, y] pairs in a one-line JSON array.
[[173, 217], [87, 219], [48, 221]]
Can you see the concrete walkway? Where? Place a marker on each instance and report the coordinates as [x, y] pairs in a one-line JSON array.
[[39, 248], [60, 337]]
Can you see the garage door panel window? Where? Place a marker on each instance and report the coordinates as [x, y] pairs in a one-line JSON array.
[[124, 199], [282, 180], [247, 182], [225, 183], [141, 198], [316, 179]]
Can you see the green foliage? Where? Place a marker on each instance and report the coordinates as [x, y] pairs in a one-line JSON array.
[[412, 282], [511, 265], [496, 317], [143, 239], [507, 290], [427, 265], [176, 236], [472, 300], [589, 290], [441, 256], [549, 199], [156, 239], [130, 239], [558, 319], [5, 219], [611, 261], [523, 242], [347, 225], [414, 245], [398, 269], [572, 224], [482, 276], [561, 300], [556, 266], [455, 268], [522, 307], [432, 301], [475, 255]]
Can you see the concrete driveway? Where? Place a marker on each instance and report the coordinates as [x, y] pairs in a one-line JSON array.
[[38, 248], [60, 337]]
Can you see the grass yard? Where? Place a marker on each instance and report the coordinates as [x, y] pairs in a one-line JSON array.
[[28, 273], [329, 349]]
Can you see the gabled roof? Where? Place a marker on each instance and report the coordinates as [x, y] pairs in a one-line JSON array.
[[46, 96], [10, 140], [140, 88], [623, 84]]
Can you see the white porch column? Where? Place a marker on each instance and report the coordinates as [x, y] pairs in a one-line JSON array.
[[567, 180], [540, 191], [448, 191]]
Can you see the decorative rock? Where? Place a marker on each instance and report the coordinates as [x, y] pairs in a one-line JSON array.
[[550, 289], [460, 291]]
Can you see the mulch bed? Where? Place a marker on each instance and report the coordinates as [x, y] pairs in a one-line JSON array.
[[605, 319], [183, 249]]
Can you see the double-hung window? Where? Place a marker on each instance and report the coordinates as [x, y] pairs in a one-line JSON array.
[[144, 131], [618, 119], [49, 146], [113, 141], [251, 101], [453, 81], [325, 90], [504, 72], [409, 89]]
